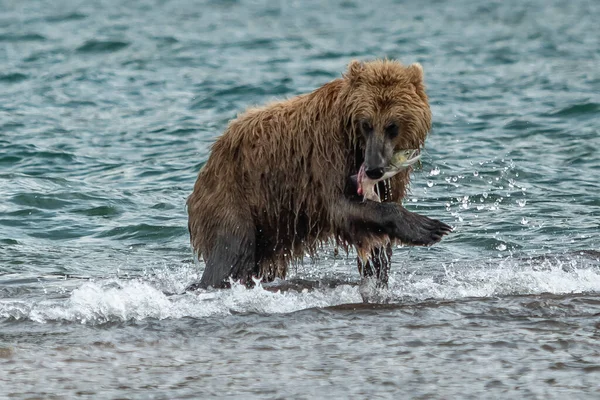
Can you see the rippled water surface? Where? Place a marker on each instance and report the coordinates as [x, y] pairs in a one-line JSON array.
[[107, 112]]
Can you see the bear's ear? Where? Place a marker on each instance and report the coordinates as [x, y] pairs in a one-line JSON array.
[[354, 72], [415, 73]]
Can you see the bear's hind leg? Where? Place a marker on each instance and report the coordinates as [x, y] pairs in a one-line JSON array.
[[232, 255]]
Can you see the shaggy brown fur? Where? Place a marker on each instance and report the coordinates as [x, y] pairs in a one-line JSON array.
[[273, 187]]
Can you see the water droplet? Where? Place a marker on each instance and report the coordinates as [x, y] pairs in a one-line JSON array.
[[465, 199], [454, 179], [501, 247], [521, 202], [430, 183], [485, 195], [434, 172], [524, 221], [476, 173]]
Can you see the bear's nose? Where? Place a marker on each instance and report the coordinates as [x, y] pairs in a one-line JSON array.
[[374, 173]]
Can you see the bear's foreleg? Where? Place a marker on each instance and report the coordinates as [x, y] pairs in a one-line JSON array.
[[358, 219]]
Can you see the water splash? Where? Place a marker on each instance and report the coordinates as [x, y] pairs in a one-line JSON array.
[[122, 300]]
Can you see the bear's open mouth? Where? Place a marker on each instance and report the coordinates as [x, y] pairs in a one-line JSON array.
[[401, 160]]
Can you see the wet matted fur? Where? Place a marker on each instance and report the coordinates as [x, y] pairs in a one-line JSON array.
[[275, 185]]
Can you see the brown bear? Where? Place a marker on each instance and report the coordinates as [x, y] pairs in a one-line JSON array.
[[276, 185]]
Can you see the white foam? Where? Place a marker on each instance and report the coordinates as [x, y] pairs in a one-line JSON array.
[[116, 299], [121, 300], [504, 278]]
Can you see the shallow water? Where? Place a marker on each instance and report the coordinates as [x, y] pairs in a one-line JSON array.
[[107, 112]]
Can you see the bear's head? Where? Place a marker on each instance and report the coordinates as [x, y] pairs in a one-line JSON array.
[[388, 109]]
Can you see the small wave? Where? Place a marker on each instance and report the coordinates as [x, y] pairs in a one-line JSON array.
[[217, 96], [40, 201], [143, 231], [254, 44], [504, 279], [14, 77], [577, 110], [27, 37], [119, 300], [102, 46], [100, 211], [74, 16], [519, 124]]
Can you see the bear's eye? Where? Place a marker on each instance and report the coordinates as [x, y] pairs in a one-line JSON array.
[[366, 126], [392, 130]]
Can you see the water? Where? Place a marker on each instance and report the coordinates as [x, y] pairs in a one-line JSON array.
[[107, 112]]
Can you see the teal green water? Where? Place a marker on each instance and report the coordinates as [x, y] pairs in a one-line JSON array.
[[107, 113]]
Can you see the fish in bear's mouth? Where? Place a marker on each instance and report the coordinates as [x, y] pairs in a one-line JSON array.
[[401, 160]]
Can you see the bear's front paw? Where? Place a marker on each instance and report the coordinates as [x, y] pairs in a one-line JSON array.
[[419, 230]]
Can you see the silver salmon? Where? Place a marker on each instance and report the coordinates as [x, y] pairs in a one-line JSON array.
[[401, 160]]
